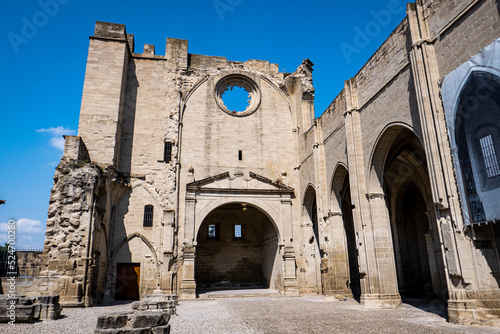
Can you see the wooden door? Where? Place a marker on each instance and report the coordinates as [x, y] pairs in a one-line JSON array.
[[127, 281]]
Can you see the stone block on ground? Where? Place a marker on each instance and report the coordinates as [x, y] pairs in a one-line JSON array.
[[112, 321]]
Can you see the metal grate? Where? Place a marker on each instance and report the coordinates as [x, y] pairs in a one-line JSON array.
[[490, 157], [167, 153], [148, 216]]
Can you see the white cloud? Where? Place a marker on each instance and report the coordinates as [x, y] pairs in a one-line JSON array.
[[30, 233], [25, 226], [57, 140], [29, 226], [59, 131]]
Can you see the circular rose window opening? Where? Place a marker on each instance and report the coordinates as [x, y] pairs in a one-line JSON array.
[[236, 99], [237, 95]]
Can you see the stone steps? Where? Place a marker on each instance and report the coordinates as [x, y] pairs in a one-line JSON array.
[[244, 293]]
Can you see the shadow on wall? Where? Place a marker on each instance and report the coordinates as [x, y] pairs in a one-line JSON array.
[[128, 121], [120, 252]]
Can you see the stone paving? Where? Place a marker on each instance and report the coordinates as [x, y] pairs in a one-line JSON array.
[[271, 315]]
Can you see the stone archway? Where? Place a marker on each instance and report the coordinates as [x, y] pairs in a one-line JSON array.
[[345, 251], [406, 185], [237, 247]]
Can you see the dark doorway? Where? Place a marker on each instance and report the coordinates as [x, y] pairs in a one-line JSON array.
[[412, 227], [127, 281], [352, 252]]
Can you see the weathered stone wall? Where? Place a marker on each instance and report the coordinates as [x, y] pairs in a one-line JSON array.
[[390, 58], [264, 137], [70, 220], [461, 29], [397, 105], [29, 262], [100, 115], [150, 120], [333, 134]]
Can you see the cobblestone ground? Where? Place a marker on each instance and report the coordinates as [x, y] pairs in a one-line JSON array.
[[270, 315]]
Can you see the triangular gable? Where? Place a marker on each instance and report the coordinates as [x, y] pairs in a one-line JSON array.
[[238, 182]]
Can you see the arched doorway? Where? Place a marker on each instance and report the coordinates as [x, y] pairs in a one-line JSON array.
[[412, 228], [352, 252], [237, 247], [344, 235], [417, 250]]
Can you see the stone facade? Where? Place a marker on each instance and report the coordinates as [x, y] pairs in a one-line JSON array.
[[165, 188]]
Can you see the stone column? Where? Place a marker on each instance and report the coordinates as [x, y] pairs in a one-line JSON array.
[[290, 282], [189, 223], [188, 284], [384, 250], [286, 218], [370, 218]]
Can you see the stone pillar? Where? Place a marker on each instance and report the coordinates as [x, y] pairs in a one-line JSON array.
[[290, 282], [286, 218], [369, 218], [189, 223], [382, 239], [188, 284]]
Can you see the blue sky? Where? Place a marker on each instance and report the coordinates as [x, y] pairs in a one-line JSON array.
[[44, 48]]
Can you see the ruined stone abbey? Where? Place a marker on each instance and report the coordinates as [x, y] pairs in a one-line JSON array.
[[393, 192]]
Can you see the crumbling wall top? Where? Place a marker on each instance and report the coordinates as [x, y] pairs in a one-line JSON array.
[[110, 30], [75, 150]]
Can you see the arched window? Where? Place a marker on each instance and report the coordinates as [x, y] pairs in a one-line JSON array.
[[148, 216], [477, 134]]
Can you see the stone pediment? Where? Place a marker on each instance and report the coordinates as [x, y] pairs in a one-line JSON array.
[[238, 182]]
